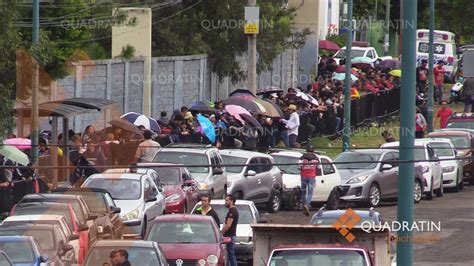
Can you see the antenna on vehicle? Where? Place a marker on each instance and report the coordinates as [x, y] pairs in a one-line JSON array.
[[321, 210]]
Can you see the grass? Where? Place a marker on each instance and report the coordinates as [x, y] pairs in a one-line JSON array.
[[367, 138]]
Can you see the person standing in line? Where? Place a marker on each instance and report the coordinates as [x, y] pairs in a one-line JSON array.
[[292, 125], [443, 113], [420, 124], [206, 209], [230, 228], [422, 76], [309, 165], [147, 149], [439, 81]]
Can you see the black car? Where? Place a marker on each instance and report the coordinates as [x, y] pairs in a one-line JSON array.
[[101, 205]]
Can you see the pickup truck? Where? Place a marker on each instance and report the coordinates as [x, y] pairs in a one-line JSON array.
[[359, 49], [284, 244]]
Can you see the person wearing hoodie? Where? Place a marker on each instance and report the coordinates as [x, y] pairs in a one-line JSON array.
[[309, 164]]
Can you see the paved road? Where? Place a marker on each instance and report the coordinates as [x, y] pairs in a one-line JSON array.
[[454, 210]]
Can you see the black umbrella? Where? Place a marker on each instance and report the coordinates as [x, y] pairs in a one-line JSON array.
[[269, 89], [252, 120], [247, 104], [201, 106], [243, 93]]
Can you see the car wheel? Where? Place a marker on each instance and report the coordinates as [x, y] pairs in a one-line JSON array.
[[456, 185], [333, 200], [471, 181], [144, 227], [374, 195], [274, 203], [440, 191], [294, 202], [417, 191], [429, 194]]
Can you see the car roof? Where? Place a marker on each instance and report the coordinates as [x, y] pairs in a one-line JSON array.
[[48, 205], [183, 217], [28, 226], [371, 151], [124, 243], [417, 142], [237, 202], [187, 150], [244, 153], [161, 165], [35, 217], [83, 190], [288, 153], [51, 196], [451, 132], [317, 246], [131, 176]]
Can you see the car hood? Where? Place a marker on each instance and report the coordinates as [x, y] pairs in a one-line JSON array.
[[168, 190], [127, 205], [348, 173], [189, 251]]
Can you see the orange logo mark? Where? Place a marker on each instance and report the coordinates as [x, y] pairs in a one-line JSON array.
[[345, 223]]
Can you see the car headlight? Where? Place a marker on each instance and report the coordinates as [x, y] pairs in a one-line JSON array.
[[173, 198], [448, 169], [357, 179], [212, 260], [202, 186], [426, 169], [131, 215]]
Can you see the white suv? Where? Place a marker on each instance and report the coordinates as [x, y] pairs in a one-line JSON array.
[[432, 170], [328, 180]]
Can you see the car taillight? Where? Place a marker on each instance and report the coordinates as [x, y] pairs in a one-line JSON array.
[[450, 59]]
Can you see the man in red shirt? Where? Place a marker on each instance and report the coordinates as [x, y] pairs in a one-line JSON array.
[[309, 165], [438, 81], [443, 113]]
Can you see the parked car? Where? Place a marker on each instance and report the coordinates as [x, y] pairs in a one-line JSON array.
[[329, 217], [146, 171], [254, 177], [461, 120], [22, 250], [50, 238], [452, 168], [248, 214], [142, 253], [180, 189], [327, 189], [189, 239], [79, 206], [64, 210], [463, 141], [371, 176], [136, 194], [4, 259], [101, 204], [432, 171], [211, 180]]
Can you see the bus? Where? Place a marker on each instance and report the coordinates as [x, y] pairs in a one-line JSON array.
[[444, 49]]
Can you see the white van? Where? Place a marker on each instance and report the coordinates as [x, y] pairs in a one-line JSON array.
[[444, 48]]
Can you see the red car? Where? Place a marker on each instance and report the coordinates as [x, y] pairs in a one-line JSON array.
[[189, 239], [181, 191]]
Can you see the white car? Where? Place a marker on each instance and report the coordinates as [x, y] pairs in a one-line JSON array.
[[452, 169], [432, 170], [328, 180], [211, 180], [254, 177], [248, 214], [135, 194], [359, 49]]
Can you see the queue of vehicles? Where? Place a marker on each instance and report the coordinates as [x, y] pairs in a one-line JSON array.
[[82, 225]]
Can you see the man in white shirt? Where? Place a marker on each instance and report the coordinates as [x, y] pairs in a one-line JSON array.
[[147, 149], [292, 125]]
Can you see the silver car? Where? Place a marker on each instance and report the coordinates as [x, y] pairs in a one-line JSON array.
[[254, 177], [211, 180], [370, 176]]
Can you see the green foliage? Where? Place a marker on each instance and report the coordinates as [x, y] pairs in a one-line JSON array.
[[128, 52]]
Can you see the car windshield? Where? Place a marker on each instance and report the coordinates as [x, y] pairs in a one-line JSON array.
[[331, 221], [54, 211], [354, 53], [76, 206], [234, 160], [460, 124], [119, 188], [18, 251], [45, 238], [169, 176], [355, 160], [95, 201], [183, 232], [187, 159], [245, 213], [442, 149], [459, 142], [309, 257], [136, 256], [287, 169], [420, 154]]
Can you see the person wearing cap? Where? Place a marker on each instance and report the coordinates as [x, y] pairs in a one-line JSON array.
[[308, 170], [439, 81], [292, 125]]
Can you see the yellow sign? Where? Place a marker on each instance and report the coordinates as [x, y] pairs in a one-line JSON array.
[[345, 223], [251, 28]]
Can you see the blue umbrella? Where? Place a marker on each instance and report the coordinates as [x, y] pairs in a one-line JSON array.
[[207, 127], [342, 76]]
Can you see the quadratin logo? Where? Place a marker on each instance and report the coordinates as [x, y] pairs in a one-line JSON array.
[[345, 223]]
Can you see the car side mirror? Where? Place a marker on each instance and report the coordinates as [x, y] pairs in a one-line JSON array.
[[386, 167], [115, 209], [250, 173], [150, 199], [44, 258], [73, 237], [227, 240], [217, 171], [83, 227]]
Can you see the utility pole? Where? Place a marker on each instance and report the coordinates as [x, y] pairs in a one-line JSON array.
[[407, 133], [386, 41], [34, 87], [431, 70], [346, 132], [252, 57]]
